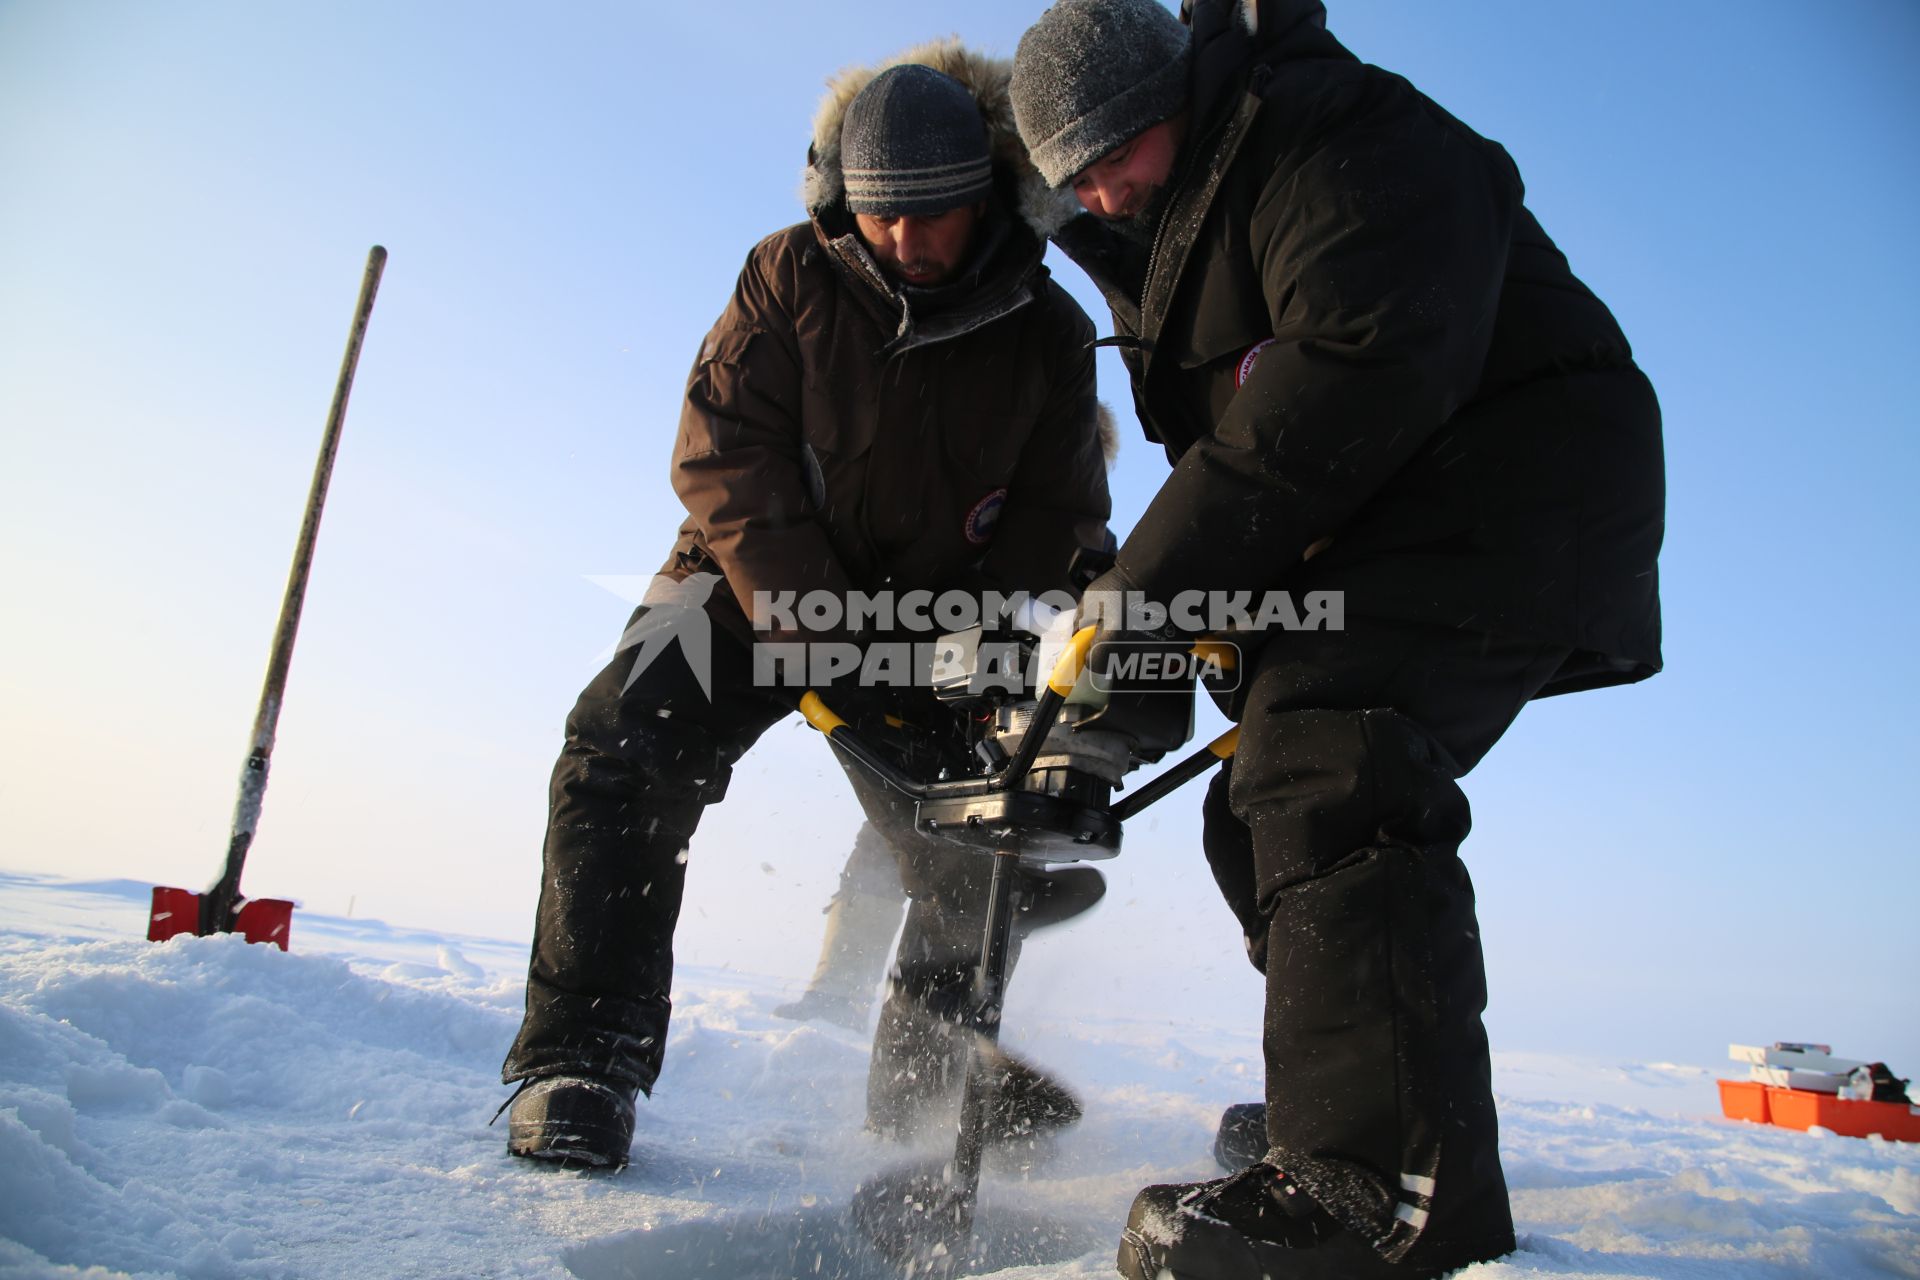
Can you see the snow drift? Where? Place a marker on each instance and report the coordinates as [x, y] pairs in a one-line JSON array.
[[209, 1109]]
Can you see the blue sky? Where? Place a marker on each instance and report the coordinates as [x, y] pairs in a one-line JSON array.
[[187, 194]]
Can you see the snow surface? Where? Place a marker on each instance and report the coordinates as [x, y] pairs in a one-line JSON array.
[[205, 1108]]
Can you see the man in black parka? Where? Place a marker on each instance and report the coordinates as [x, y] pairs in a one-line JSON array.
[[1373, 374]]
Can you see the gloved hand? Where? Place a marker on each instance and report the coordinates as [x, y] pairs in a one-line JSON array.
[[1123, 617]]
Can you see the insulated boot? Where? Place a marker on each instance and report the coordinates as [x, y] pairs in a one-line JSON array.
[[580, 1122], [1254, 1225]]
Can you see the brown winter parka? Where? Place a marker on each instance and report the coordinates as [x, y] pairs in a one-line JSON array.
[[842, 432]]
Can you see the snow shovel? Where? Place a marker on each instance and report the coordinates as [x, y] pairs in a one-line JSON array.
[[221, 909]]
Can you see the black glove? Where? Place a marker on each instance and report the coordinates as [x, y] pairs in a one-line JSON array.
[[1124, 619]]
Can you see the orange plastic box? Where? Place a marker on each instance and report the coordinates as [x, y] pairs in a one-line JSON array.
[[1800, 1109], [1744, 1100]]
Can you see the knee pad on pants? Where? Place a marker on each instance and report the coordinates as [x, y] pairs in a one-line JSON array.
[[1315, 786]]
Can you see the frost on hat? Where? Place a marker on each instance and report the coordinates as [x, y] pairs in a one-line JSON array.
[[914, 143], [1090, 75]]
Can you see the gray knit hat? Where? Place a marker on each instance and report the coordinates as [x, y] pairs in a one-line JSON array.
[[1090, 75], [914, 142]]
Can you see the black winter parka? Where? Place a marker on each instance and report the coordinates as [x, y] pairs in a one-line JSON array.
[[1350, 327]]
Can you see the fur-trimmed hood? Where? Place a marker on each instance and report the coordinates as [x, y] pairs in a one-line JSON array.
[[823, 189], [1016, 181]]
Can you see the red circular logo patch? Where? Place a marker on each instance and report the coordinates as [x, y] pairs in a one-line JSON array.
[[984, 516], [1247, 362]]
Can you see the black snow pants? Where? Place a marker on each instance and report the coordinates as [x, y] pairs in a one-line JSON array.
[[646, 752], [1334, 835]]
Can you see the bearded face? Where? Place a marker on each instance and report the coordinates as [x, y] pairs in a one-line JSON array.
[[1129, 186]]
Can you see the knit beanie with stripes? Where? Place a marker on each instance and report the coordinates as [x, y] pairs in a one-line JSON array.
[[913, 142]]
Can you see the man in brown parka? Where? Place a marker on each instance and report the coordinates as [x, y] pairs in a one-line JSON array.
[[897, 398]]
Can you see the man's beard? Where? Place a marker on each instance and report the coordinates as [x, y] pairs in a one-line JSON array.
[[1142, 226]]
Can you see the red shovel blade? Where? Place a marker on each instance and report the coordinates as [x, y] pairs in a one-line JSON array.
[[177, 911], [267, 920]]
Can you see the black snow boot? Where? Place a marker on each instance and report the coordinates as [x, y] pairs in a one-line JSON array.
[[1242, 1139], [579, 1122], [1254, 1225]]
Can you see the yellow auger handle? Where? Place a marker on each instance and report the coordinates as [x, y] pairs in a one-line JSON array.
[[1226, 744], [1066, 671], [822, 717], [819, 714]]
